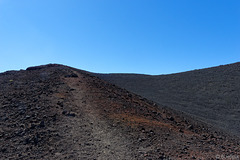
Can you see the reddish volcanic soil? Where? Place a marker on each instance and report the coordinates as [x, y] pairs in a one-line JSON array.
[[58, 112]]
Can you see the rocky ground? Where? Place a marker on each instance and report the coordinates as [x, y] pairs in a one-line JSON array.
[[58, 112], [211, 95]]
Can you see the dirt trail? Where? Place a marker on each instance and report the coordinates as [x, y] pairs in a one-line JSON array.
[[95, 138]]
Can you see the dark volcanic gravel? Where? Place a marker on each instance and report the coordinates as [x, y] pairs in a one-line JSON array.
[[58, 112], [211, 95]]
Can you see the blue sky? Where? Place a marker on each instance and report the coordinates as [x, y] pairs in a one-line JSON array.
[[124, 36]]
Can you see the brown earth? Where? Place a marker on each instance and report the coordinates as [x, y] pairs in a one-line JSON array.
[[58, 112]]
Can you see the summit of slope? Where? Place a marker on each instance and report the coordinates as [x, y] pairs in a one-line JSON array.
[[59, 112]]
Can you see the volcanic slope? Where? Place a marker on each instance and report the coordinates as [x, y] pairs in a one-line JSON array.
[[58, 112], [212, 94]]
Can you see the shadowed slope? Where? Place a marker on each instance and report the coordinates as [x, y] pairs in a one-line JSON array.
[[58, 112], [210, 94]]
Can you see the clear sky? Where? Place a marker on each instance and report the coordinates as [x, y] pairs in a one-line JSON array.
[[124, 36]]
